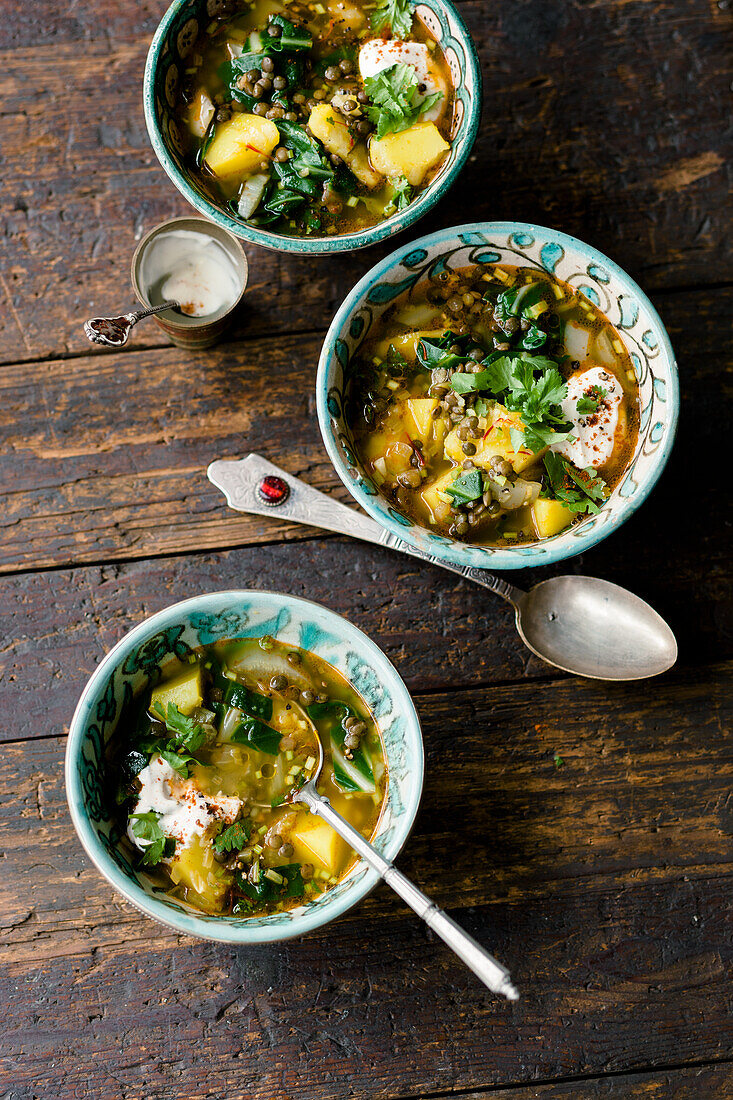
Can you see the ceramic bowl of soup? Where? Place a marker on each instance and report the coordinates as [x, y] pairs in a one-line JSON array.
[[188, 737], [498, 395], [317, 127]]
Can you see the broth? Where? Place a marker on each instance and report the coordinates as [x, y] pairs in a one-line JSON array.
[[202, 766], [315, 119], [494, 404]]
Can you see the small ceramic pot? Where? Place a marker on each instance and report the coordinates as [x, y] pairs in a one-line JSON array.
[[192, 332], [525, 245], [132, 666]]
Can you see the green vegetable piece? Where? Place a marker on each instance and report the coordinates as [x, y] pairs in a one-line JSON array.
[[579, 490], [184, 732], [145, 827], [396, 101], [352, 775], [265, 890], [395, 14], [233, 838], [178, 761], [467, 487], [251, 702], [261, 737]]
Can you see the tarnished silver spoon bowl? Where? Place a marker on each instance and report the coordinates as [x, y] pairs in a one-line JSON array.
[[583, 625], [114, 332]]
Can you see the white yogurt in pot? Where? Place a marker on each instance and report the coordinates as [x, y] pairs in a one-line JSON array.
[[192, 268]]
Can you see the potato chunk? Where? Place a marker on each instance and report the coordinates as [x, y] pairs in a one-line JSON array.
[[550, 517], [424, 425], [327, 125], [410, 153], [184, 691], [203, 882], [240, 143], [316, 842], [495, 441], [440, 509]]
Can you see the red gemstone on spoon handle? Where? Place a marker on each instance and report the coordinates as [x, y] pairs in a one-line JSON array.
[[273, 490]]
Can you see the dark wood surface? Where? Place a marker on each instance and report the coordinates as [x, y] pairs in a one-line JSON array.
[[604, 881]]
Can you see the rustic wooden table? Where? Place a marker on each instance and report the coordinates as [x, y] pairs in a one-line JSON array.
[[604, 881]]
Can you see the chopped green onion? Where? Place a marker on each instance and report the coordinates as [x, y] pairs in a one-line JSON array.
[[274, 876]]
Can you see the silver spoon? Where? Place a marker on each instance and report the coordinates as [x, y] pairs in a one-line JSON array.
[[114, 332], [484, 965], [583, 625]]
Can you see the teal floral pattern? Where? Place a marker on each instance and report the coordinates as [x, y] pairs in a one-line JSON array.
[[167, 62], [134, 664], [591, 273]]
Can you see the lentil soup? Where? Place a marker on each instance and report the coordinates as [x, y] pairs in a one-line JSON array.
[[494, 404], [201, 768], [315, 119]]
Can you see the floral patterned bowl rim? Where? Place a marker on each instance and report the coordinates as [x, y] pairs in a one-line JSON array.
[[523, 243], [133, 663], [448, 26]]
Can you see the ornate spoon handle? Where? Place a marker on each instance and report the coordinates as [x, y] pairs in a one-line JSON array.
[[484, 965], [114, 332], [241, 482]]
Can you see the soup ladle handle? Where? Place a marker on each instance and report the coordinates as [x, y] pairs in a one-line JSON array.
[[495, 976]]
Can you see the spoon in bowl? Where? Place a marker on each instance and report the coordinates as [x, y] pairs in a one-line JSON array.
[[114, 332], [492, 973], [583, 625]]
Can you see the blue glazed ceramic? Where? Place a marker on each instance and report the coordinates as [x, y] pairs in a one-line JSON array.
[[133, 665], [526, 245], [171, 45]]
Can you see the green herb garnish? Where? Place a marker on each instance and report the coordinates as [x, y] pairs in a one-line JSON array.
[[395, 14], [146, 827], [579, 490], [397, 103], [184, 732], [590, 401], [178, 761], [233, 838]]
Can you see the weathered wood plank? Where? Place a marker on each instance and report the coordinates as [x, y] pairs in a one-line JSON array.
[[105, 458], [693, 1083], [638, 167], [613, 981], [642, 796], [56, 626]]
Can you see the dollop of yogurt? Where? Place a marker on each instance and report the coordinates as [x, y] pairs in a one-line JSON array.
[[594, 433], [193, 269], [379, 53], [184, 811]]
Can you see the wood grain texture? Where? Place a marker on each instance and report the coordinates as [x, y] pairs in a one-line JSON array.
[[642, 797], [104, 458], [631, 155], [603, 883], [56, 626]]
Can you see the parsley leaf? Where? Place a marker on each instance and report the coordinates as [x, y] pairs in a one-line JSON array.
[[233, 838], [590, 401], [396, 99], [579, 490], [396, 15], [185, 733], [178, 761], [468, 486], [401, 197], [146, 827]]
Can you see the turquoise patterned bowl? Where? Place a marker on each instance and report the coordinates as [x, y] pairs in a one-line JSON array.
[[133, 665], [527, 245], [167, 60]]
